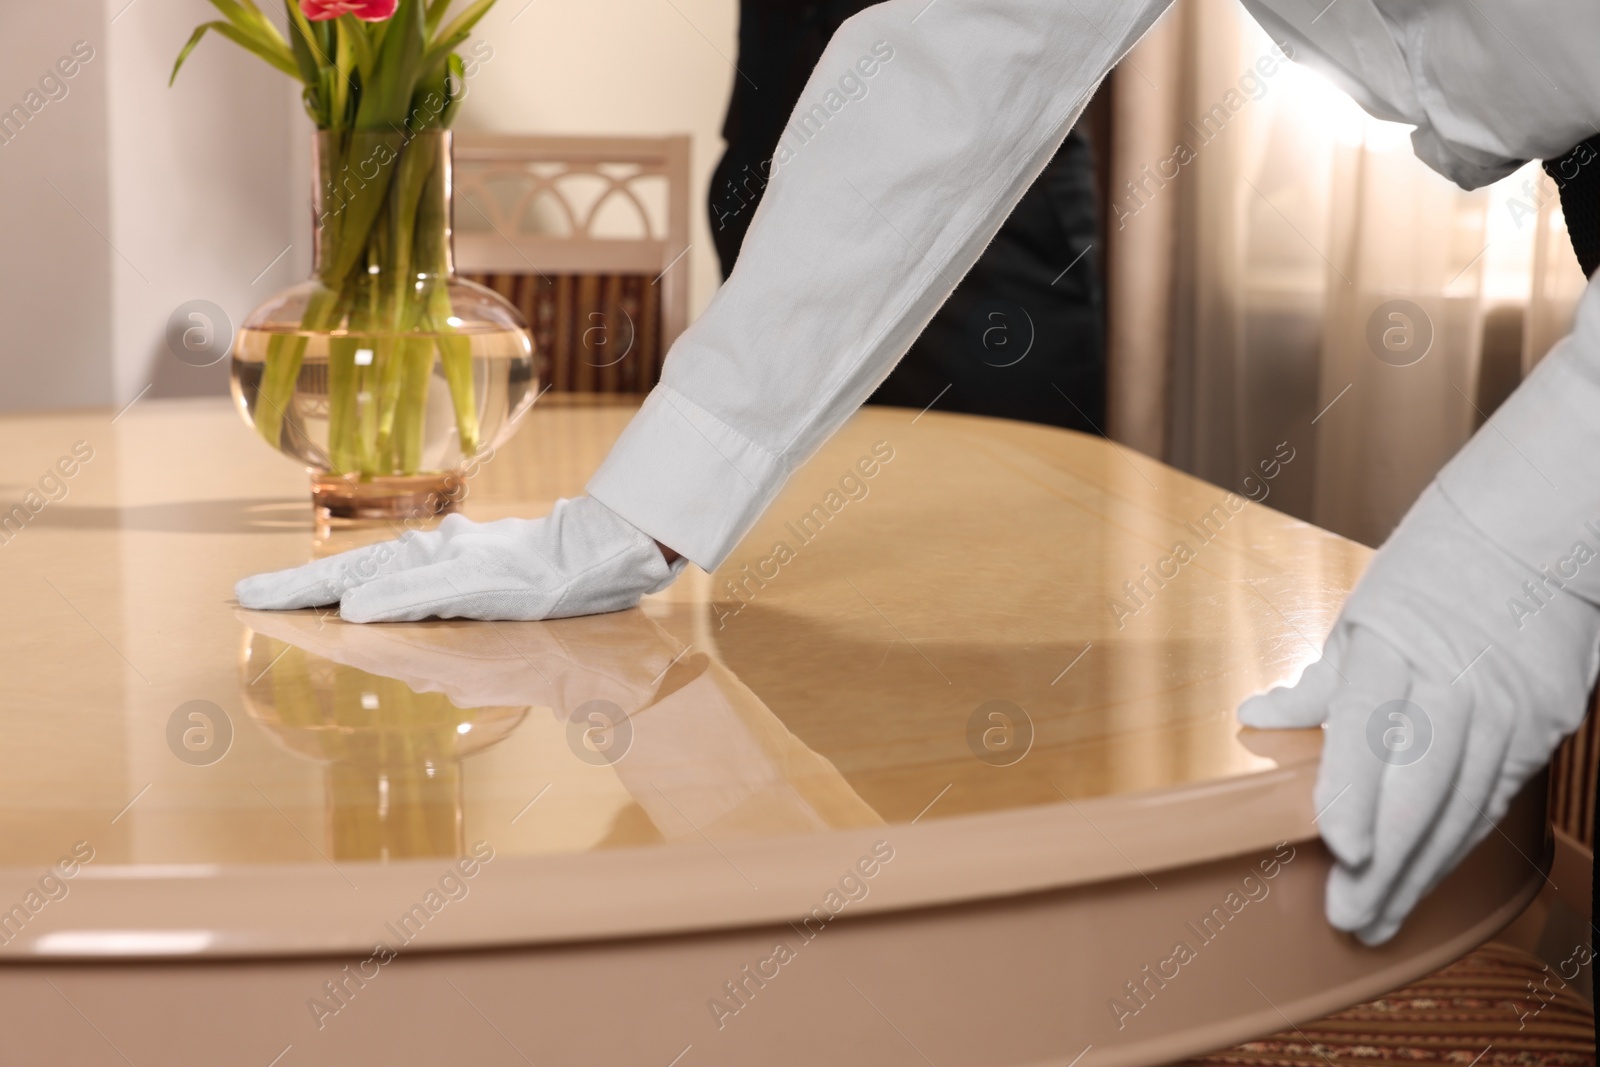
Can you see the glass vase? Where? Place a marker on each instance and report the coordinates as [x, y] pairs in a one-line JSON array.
[[383, 373]]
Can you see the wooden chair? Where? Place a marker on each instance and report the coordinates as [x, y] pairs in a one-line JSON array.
[[587, 236], [1573, 772]]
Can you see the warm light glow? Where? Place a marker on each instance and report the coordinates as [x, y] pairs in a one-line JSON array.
[[124, 943], [1511, 223], [1330, 108]]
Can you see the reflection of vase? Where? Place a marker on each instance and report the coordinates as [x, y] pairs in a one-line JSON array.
[[384, 372], [393, 755]]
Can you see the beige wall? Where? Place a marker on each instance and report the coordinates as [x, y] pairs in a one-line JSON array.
[[204, 194], [615, 66], [122, 199], [55, 275]]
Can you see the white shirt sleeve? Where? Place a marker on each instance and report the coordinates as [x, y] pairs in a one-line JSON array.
[[921, 127]]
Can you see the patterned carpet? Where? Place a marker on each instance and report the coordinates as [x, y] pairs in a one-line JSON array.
[[1496, 1007]]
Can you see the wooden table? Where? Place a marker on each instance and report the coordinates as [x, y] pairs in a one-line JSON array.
[[929, 784]]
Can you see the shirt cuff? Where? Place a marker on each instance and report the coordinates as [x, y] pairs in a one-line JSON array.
[[686, 478]]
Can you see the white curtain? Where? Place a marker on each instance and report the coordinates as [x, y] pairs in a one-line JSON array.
[[1323, 288]]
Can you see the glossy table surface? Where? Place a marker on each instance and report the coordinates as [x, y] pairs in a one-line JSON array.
[[963, 700], [945, 655]]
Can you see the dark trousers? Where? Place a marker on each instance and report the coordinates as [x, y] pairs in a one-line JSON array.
[[1022, 336]]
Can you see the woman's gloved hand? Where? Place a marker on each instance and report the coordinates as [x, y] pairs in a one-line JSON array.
[[1467, 651], [581, 559], [1422, 751]]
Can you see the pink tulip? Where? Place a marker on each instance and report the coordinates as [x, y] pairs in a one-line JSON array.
[[366, 10]]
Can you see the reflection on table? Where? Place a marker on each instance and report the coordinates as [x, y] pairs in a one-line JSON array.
[[396, 713]]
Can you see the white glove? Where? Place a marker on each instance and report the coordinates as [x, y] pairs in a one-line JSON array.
[[1480, 611], [582, 559]]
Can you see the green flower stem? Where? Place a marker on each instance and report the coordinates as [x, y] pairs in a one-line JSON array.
[[343, 384], [359, 178], [455, 349], [285, 352], [417, 359], [418, 164], [367, 423], [455, 356], [386, 399]]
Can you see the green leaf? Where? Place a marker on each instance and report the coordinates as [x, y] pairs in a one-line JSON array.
[[316, 105], [376, 31], [434, 82], [194, 39], [456, 75], [313, 50], [462, 24], [436, 13], [353, 31], [274, 52], [355, 57], [245, 15], [457, 31], [326, 37], [399, 62], [308, 53], [335, 102]]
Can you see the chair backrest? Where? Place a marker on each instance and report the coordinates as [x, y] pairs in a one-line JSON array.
[[1574, 769], [588, 237], [1573, 772]]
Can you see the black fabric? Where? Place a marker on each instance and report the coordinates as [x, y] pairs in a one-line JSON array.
[[1577, 176], [1022, 336]]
